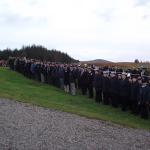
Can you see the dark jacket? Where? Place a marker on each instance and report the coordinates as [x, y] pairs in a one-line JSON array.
[[124, 88], [98, 82], [106, 84], [66, 77], [72, 77], [114, 85], [90, 79], [144, 94], [84, 79], [61, 72], [135, 91]]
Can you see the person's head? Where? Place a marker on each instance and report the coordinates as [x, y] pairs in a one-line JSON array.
[[71, 68], [119, 76], [130, 80], [139, 80], [134, 79], [124, 75], [96, 72], [106, 73], [112, 74], [100, 72]]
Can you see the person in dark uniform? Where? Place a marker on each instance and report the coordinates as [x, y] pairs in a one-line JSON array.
[[32, 69], [134, 94], [98, 85], [49, 69], [53, 75], [84, 81], [105, 87], [38, 71], [114, 89], [28, 69], [124, 91], [119, 77], [72, 81], [90, 83], [129, 96], [144, 98], [66, 79], [76, 73], [61, 76]]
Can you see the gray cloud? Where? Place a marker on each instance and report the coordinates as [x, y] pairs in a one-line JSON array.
[[142, 2], [17, 20]]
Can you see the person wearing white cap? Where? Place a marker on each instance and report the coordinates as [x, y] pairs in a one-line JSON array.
[[124, 91], [114, 89], [106, 87], [98, 85]]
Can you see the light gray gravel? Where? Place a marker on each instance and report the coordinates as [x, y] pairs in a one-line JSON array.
[[26, 127]]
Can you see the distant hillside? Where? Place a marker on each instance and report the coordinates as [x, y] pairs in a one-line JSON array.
[[97, 61], [37, 52]]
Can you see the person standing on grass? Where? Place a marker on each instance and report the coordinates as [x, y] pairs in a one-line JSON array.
[[61, 76], [134, 94], [98, 85], [72, 81], [106, 87], [91, 75], [119, 78], [124, 91], [66, 79], [84, 81], [114, 89], [144, 98], [42, 73], [38, 71], [32, 69]]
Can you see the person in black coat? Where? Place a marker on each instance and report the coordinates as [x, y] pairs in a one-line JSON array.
[[119, 77], [84, 81], [124, 91], [38, 71], [72, 80], [98, 85], [144, 99], [134, 94], [54, 75], [66, 79], [90, 83], [106, 87], [114, 87]]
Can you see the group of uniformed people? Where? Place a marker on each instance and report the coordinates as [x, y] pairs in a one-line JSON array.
[[130, 91]]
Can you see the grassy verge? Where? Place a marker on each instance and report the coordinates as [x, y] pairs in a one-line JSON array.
[[15, 86]]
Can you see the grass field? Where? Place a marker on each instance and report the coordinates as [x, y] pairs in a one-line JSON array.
[[17, 87]]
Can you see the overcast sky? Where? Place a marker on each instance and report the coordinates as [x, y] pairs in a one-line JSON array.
[[116, 30]]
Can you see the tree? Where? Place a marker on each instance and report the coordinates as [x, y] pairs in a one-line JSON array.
[[136, 61], [38, 52]]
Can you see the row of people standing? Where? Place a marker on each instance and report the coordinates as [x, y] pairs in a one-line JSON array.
[[119, 89]]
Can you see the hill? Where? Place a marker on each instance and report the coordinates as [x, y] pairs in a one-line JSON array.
[[97, 61], [37, 52], [17, 87]]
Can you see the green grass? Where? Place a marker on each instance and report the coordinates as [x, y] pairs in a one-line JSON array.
[[16, 87]]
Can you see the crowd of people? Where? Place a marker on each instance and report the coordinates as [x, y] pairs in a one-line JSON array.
[[129, 90]]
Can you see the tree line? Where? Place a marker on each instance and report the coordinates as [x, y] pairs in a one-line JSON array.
[[37, 52]]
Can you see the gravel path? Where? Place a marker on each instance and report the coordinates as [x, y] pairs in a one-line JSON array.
[[26, 127]]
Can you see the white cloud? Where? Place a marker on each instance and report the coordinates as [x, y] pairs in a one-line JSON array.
[[87, 29]]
